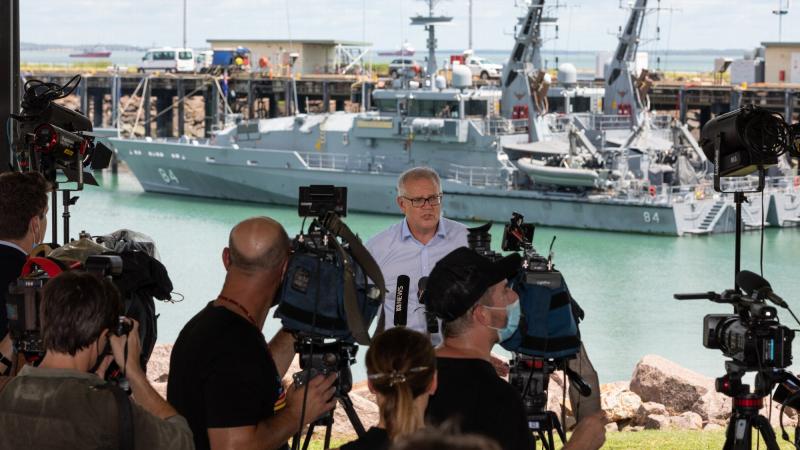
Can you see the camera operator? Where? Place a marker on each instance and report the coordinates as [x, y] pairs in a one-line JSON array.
[[23, 224], [413, 246], [479, 309], [223, 376], [62, 403]]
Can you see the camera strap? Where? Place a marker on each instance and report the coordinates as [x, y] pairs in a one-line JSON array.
[[371, 269], [124, 414]]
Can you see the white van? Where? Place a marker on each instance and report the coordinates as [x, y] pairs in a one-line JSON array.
[[168, 60]]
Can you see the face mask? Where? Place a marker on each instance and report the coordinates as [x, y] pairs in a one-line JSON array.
[[512, 314]]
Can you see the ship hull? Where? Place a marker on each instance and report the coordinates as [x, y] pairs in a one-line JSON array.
[[274, 177]]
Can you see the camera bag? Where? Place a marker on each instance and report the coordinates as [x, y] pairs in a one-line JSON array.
[[329, 298], [549, 324]]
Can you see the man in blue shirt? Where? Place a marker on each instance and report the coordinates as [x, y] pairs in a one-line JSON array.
[[413, 246]]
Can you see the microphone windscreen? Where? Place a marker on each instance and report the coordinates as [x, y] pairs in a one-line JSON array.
[[750, 281]]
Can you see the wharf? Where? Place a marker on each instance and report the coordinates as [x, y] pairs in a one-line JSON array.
[[258, 95]]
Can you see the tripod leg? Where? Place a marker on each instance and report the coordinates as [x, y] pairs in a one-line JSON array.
[[328, 436], [309, 433], [347, 404], [556, 425], [762, 424], [738, 436]]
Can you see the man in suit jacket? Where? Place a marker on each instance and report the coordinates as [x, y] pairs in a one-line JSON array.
[[23, 224]]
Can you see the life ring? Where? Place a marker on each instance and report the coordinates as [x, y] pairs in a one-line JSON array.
[[652, 190]]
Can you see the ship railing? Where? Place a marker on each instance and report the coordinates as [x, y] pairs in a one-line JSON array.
[[476, 176], [606, 121], [497, 125], [341, 162], [661, 121]]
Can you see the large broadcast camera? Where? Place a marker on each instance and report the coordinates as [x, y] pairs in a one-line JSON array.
[[331, 293], [126, 258], [547, 336], [54, 138], [739, 143]]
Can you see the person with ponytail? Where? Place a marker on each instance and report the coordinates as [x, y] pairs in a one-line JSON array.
[[401, 372]]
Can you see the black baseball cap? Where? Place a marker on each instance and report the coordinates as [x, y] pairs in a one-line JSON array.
[[459, 279]]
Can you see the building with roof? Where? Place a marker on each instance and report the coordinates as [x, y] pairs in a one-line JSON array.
[[782, 61], [314, 56]]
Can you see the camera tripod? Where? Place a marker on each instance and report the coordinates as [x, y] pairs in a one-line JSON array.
[[531, 376], [745, 416], [321, 358]]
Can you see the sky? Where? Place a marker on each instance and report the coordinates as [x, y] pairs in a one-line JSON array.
[[584, 25]]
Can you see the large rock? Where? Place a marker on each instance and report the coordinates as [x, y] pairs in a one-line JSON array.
[[713, 407], [158, 364], [657, 379], [657, 422], [618, 401], [687, 421], [648, 409]]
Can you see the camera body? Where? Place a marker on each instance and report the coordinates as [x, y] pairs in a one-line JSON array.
[[332, 288], [548, 326], [323, 358], [753, 337], [24, 300], [53, 138]]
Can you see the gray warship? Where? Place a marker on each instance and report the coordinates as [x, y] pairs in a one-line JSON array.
[[497, 150]]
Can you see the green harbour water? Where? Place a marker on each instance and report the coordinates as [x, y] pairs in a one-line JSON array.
[[624, 282]]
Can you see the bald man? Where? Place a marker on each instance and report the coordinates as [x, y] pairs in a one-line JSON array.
[[224, 377]]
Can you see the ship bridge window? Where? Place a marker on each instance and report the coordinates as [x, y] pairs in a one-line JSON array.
[[434, 108], [386, 105], [476, 108]]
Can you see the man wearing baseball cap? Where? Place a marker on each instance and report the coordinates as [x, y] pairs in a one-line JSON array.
[[478, 307]]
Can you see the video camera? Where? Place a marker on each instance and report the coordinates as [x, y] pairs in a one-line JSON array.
[[550, 316], [753, 336], [24, 300], [54, 138], [332, 289]]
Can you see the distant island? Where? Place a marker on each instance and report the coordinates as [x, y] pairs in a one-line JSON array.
[[30, 46]]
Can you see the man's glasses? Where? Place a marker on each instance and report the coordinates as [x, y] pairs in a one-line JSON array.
[[435, 200]]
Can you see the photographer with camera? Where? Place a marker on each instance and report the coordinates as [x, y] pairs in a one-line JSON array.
[[63, 402], [23, 224], [471, 295], [413, 246], [223, 376]]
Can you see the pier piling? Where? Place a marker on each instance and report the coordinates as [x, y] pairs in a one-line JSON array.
[[181, 92]]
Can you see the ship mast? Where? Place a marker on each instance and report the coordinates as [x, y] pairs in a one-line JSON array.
[[429, 23], [520, 69], [621, 96]]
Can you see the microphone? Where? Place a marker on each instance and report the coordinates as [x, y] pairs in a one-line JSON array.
[[751, 282], [401, 301], [430, 319]]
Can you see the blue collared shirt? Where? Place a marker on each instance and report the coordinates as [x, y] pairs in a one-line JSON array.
[[397, 253]]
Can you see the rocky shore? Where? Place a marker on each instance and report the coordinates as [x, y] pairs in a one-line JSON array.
[[660, 395]]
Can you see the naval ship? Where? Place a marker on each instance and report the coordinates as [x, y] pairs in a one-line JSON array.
[[497, 150]]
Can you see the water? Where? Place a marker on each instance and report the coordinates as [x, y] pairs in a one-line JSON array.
[[624, 282]]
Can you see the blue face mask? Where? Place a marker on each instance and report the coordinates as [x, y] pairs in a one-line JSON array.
[[513, 314]]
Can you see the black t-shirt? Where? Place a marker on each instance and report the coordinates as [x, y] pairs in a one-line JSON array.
[[11, 262], [470, 392], [374, 439], [222, 374]]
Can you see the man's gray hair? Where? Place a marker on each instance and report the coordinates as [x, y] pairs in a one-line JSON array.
[[417, 173]]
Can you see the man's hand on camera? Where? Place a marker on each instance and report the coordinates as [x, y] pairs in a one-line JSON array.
[[500, 366], [132, 366], [319, 401]]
